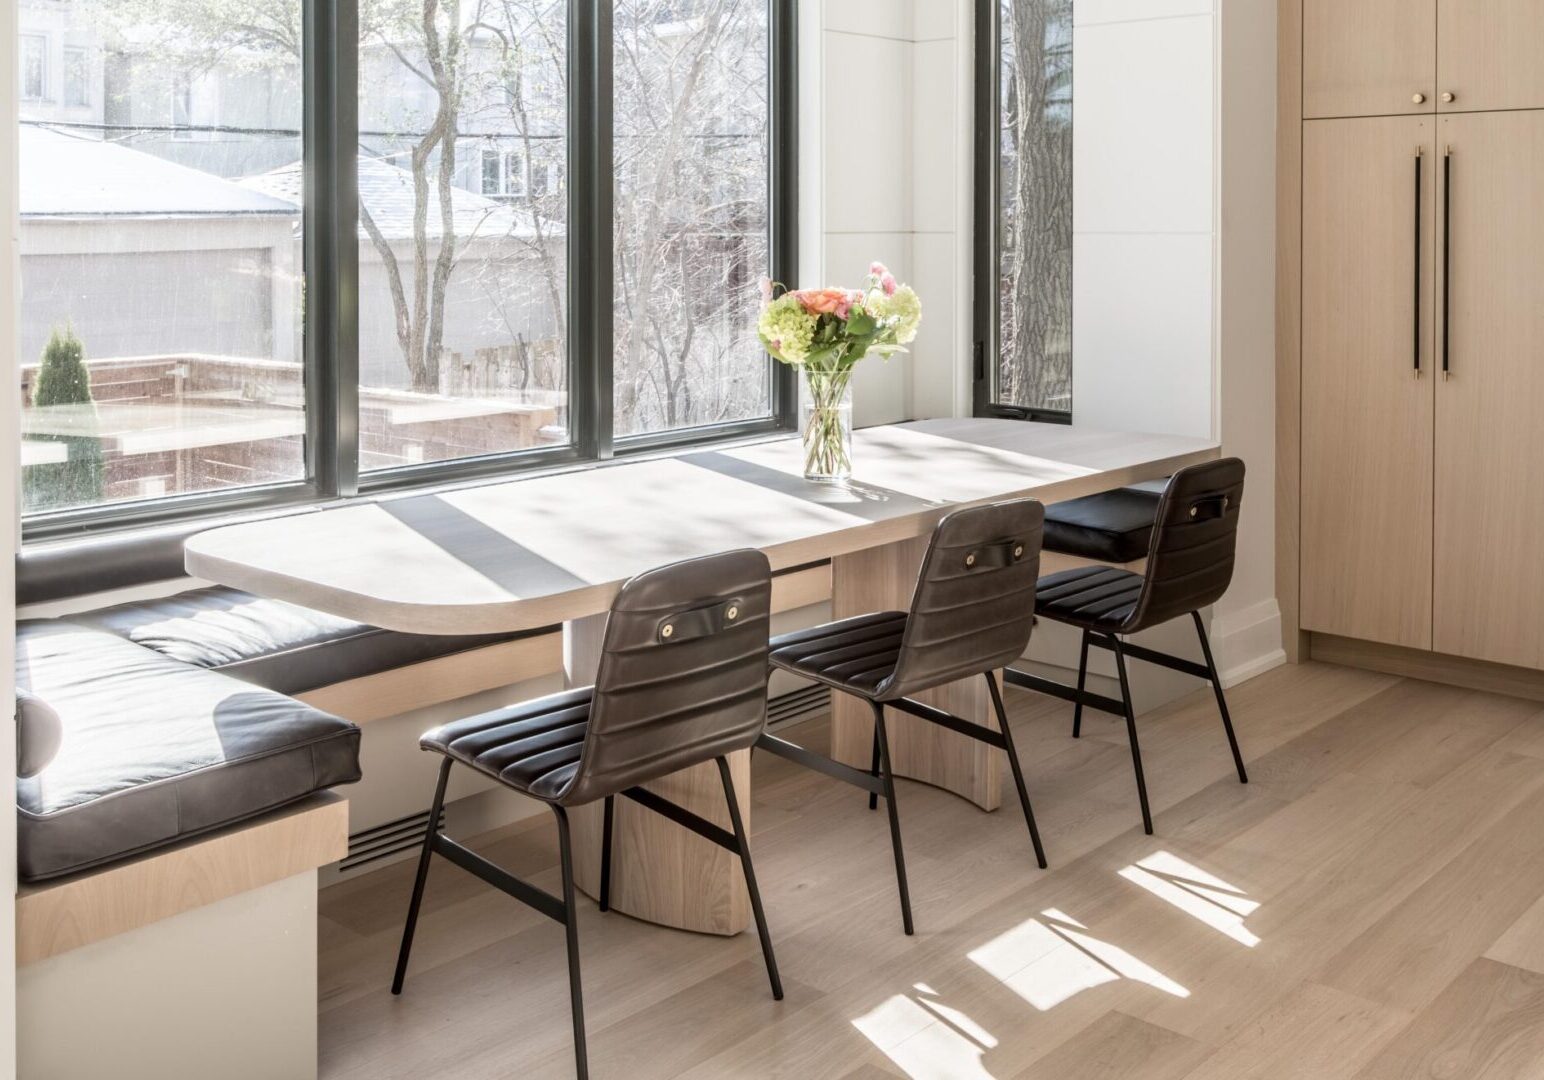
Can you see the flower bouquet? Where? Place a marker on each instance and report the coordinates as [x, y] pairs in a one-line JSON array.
[[824, 333]]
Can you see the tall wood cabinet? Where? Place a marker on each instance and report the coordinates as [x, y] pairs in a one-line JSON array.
[[1421, 308]]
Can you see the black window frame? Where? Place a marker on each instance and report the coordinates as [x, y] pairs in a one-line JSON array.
[[986, 309], [330, 87]]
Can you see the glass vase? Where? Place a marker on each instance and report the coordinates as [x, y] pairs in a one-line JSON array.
[[825, 424]]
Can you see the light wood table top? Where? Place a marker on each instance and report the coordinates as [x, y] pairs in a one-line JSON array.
[[533, 552]]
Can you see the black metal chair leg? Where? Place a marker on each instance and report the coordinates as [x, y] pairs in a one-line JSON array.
[[744, 843], [888, 778], [1013, 763], [1131, 733], [423, 877], [571, 928], [874, 770], [1222, 704], [1077, 706], [605, 853]]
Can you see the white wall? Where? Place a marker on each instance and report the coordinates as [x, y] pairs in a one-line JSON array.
[[1246, 623], [1143, 215], [10, 441]]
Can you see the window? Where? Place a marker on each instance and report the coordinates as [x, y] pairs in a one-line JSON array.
[[77, 77], [1024, 209], [286, 299], [159, 339], [34, 67], [692, 226], [505, 174]]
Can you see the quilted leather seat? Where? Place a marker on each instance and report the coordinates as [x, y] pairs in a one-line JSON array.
[[1112, 526], [268, 642], [856, 655], [532, 747], [1101, 598], [151, 751]]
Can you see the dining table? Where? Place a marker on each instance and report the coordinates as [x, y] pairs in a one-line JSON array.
[[527, 552]]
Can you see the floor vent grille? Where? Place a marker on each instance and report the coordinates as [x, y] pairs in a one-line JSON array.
[[386, 840], [798, 705]]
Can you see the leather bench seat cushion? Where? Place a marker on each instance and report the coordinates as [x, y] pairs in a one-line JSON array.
[[268, 642], [1112, 526], [152, 751]]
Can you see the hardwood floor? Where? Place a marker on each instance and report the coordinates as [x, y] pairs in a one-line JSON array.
[[1369, 907]]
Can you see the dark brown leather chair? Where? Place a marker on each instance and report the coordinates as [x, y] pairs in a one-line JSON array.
[[971, 614], [682, 680], [1189, 566]]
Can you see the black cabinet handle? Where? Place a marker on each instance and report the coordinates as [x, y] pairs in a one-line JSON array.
[[1447, 255], [1417, 335]]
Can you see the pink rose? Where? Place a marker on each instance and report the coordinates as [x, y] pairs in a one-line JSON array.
[[877, 268], [824, 301], [887, 282]]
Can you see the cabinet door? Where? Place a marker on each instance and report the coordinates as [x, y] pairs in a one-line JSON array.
[[1489, 534], [1369, 57], [1368, 289], [1491, 55]]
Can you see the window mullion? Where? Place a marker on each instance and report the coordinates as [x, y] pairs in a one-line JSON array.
[[988, 175], [590, 232], [331, 72], [784, 186]]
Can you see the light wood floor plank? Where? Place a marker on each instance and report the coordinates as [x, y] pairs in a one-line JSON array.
[[1409, 955], [1522, 944], [1312, 1033], [1119, 1047], [1488, 1024]]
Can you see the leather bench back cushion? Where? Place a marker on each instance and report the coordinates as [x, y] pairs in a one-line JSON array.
[[153, 750], [268, 642]]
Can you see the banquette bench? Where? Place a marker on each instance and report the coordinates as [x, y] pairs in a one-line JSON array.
[[173, 806]]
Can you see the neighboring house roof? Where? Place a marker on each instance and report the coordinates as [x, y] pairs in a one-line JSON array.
[[386, 191], [70, 175]]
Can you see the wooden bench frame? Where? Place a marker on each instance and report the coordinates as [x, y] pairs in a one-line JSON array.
[[53, 917]]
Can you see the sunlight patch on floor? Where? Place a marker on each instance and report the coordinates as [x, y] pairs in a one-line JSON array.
[[1046, 963], [927, 1039], [1197, 893]]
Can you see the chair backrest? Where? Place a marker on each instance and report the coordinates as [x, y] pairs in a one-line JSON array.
[[974, 604], [683, 672], [1190, 556]]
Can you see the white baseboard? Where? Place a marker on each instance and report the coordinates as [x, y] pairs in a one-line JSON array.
[[1247, 642]]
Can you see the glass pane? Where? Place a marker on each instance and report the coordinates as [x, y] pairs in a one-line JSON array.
[[462, 266], [691, 123], [1035, 213], [160, 335]]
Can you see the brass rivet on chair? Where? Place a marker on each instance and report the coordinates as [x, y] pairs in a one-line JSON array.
[[1224, 502], [1018, 551], [1193, 511], [732, 614], [666, 630], [970, 560]]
